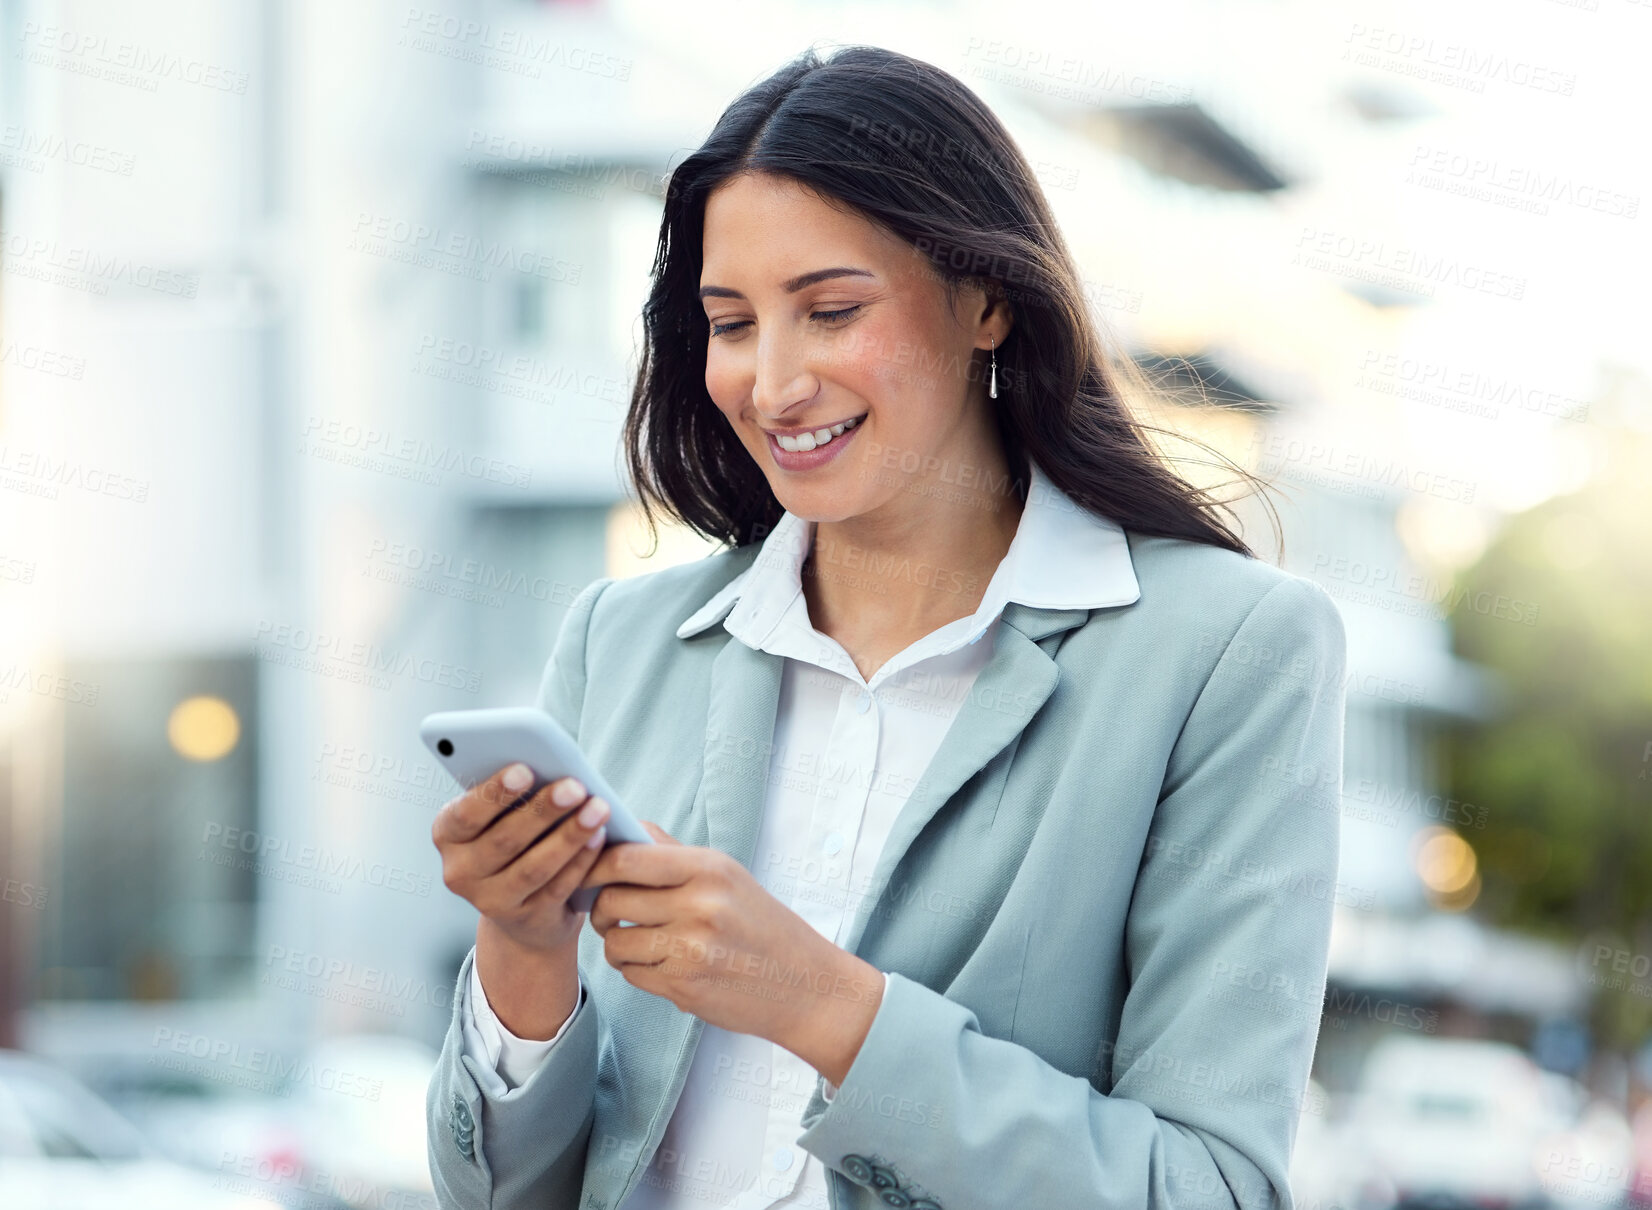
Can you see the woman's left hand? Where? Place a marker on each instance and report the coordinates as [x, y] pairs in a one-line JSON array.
[[708, 937]]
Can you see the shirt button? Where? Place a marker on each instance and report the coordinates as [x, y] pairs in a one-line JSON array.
[[863, 703], [781, 1159], [832, 843]]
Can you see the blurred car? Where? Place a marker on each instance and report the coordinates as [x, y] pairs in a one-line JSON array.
[[1638, 1196], [199, 1120], [1587, 1160], [1323, 1167], [340, 1125], [1454, 1122], [361, 1106], [62, 1148]]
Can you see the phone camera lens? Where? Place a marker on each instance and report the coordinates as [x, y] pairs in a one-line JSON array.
[[445, 747]]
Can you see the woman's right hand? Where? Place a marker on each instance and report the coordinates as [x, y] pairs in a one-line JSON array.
[[517, 868]]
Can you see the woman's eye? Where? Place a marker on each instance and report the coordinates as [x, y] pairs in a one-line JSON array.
[[835, 317], [829, 318]]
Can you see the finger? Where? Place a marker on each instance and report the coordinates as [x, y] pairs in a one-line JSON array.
[[467, 816], [601, 921], [641, 906], [659, 833], [615, 905], [640, 946], [523, 886], [657, 865], [650, 979], [566, 878], [545, 855], [515, 833]]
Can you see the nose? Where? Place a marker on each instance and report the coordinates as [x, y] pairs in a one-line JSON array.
[[783, 379]]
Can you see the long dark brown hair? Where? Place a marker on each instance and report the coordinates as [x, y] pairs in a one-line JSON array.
[[907, 146]]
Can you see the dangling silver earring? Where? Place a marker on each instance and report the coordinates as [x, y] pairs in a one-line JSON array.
[[992, 387]]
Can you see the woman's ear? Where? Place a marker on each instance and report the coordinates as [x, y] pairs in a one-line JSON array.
[[996, 317]]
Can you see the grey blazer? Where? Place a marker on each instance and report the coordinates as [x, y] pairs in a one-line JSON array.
[[1105, 909]]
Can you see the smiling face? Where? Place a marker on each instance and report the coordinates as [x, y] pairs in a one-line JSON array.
[[836, 355]]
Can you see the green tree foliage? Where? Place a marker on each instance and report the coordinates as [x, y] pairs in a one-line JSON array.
[[1564, 768]]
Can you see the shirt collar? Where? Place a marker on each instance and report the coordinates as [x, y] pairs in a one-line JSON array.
[[1063, 556]]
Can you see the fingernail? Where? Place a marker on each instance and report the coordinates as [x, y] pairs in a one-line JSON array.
[[517, 777], [568, 791], [597, 837], [594, 813]]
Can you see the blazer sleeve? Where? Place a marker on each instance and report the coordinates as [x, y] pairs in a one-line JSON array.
[[521, 1148], [1226, 941]]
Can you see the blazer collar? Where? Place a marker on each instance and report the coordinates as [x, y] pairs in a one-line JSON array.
[[1063, 557]]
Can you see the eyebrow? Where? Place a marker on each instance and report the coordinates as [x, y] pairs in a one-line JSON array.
[[792, 285]]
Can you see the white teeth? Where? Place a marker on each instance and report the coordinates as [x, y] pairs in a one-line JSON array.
[[804, 442]]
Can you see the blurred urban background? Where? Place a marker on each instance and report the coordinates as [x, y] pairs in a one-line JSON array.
[[317, 326]]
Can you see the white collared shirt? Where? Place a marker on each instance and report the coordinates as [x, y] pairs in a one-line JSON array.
[[847, 754]]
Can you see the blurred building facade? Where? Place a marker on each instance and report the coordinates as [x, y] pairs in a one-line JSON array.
[[357, 310]]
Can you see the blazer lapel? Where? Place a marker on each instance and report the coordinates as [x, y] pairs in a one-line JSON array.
[[726, 814], [1011, 688], [740, 717]]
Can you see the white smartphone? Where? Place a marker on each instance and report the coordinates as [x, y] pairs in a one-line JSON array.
[[473, 745]]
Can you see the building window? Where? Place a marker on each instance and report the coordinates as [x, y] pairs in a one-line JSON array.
[[148, 902]]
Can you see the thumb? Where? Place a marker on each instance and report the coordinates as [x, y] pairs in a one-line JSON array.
[[659, 833]]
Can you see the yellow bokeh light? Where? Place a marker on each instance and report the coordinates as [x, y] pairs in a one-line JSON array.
[[1460, 900], [203, 728], [1445, 862]]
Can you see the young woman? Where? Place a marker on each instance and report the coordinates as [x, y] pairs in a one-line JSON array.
[[986, 877]]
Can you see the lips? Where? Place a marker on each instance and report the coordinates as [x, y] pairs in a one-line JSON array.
[[805, 450]]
